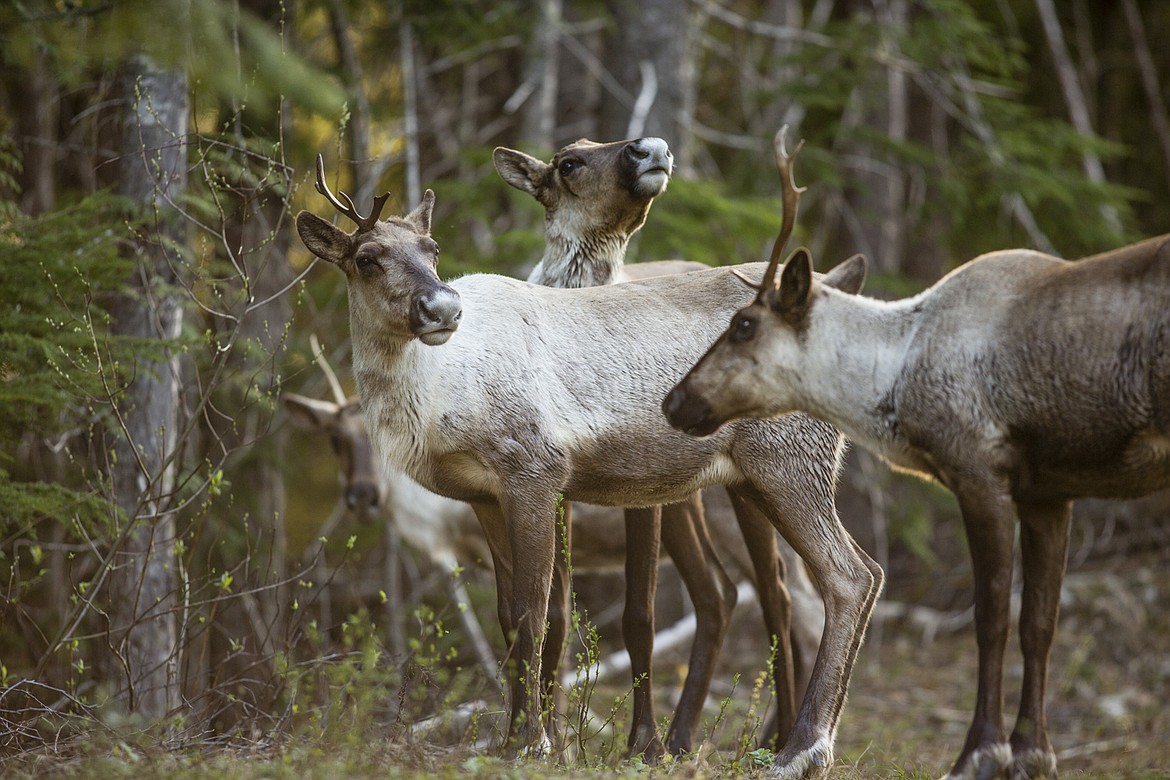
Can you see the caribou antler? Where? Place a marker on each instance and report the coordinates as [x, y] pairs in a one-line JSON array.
[[319, 356], [347, 208], [790, 197]]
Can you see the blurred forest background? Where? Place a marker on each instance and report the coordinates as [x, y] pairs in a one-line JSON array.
[[164, 566]]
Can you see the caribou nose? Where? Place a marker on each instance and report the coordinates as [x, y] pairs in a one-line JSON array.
[[435, 317], [361, 495], [688, 413], [443, 307], [637, 150], [650, 152]]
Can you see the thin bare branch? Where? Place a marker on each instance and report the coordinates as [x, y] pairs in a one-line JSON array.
[[330, 377], [1159, 116], [1074, 98]]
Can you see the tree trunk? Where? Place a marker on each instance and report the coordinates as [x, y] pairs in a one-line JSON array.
[[359, 108], [142, 584], [875, 209], [1159, 116], [651, 39], [410, 115], [38, 97], [542, 58]]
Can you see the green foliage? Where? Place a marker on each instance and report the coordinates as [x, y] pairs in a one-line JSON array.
[[60, 269], [25, 503], [59, 364], [1000, 146], [704, 221], [202, 37], [467, 218], [454, 25]]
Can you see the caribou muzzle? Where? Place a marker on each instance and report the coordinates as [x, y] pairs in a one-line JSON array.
[[689, 413], [651, 163], [435, 317], [363, 498]]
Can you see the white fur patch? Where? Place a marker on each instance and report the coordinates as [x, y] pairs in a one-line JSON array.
[[808, 764], [1034, 764], [989, 763]]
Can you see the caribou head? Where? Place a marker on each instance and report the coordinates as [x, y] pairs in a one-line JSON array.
[[603, 189], [389, 265], [723, 385]]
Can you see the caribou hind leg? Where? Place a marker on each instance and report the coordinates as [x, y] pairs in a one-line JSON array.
[[686, 538], [799, 503], [682, 529], [557, 632], [776, 605], [523, 546], [642, 542]]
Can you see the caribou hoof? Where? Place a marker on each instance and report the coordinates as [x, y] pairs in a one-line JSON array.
[[1034, 764], [521, 747], [644, 742], [805, 764], [993, 762]]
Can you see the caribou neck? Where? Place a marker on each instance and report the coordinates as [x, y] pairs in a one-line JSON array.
[[388, 371], [857, 390], [572, 260]]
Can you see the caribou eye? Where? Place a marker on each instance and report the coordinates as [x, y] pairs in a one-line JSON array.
[[568, 166], [743, 328], [366, 263]]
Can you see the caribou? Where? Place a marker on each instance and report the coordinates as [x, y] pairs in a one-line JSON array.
[[445, 531], [1020, 381], [466, 388], [595, 197]]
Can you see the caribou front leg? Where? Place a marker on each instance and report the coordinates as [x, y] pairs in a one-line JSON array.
[[989, 519], [1044, 530], [530, 514]]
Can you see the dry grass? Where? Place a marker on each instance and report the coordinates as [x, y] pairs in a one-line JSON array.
[[907, 714]]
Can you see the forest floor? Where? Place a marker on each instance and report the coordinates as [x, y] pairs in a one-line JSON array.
[[906, 717]]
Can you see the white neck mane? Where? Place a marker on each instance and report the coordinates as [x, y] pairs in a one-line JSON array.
[[865, 349], [580, 261]]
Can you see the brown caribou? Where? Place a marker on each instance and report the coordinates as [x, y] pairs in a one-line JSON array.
[[1020, 381]]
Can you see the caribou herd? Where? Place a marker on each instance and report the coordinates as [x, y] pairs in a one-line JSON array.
[[1019, 382]]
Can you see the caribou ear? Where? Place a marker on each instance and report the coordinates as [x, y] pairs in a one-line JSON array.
[[421, 216], [311, 412], [795, 284], [522, 171], [848, 276], [323, 238]]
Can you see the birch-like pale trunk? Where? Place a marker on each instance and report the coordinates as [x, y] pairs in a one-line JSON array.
[[410, 114], [142, 596], [542, 65], [359, 105]]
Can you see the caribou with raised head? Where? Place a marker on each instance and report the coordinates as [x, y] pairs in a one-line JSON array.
[[1019, 381], [466, 387], [595, 197]]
